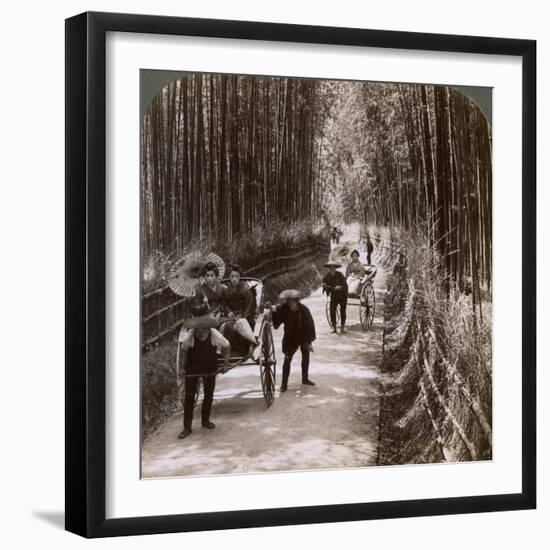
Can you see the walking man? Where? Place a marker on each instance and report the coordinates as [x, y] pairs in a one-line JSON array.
[[335, 233], [370, 248], [199, 347], [335, 285], [299, 332]]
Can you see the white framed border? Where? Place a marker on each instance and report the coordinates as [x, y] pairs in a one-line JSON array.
[[129, 496]]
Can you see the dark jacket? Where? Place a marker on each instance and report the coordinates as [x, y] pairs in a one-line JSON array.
[[299, 326], [240, 300], [337, 279], [214, 297]]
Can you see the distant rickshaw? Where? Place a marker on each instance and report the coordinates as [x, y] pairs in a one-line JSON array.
[[365, 300]]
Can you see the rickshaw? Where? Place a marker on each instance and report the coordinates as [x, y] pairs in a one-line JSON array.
[[365, 300], [263, 355]]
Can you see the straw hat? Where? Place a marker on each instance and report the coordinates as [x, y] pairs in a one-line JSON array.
[[204, 321], [332, 263], [290, 295]]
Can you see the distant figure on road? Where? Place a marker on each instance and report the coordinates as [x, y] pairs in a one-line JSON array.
[[335, 234], [200, 357], [335, 285], [355, 273], [370, 248], [299, 332]]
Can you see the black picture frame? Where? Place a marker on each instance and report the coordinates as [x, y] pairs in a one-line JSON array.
[[86, 284]]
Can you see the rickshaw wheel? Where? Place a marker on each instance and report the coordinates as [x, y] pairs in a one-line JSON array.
[[366, 305], [327, 311], [268, 364]]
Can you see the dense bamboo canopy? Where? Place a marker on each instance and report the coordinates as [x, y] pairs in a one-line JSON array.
[[224, 154], [410, 155]]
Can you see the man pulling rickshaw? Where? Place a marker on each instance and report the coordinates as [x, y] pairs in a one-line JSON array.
[[227, 329], [336, 288], [199, 348], [357, 285]]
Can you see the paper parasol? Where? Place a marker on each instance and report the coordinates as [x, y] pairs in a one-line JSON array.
[[339, 252], [186, 276]]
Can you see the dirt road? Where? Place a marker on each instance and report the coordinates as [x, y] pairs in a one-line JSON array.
[[331, 425]]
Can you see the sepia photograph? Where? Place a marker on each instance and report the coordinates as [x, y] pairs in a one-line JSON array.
[[316, 274]]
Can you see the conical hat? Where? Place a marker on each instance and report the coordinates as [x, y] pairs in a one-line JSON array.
[[290, 295], [204, 321]]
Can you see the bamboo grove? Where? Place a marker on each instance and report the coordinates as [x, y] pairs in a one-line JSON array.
[[225, 154], [222, 154], [418, 155]]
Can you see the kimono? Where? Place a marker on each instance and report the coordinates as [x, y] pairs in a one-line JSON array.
[[214, 297], [356, 268], [355, 271], [240, 301]]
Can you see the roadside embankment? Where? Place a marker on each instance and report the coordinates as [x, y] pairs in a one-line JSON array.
[[436, 374]]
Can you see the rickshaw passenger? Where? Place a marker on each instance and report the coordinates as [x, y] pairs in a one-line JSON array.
[[211, 292], [240, 308], [209, 296], [355, 273]]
